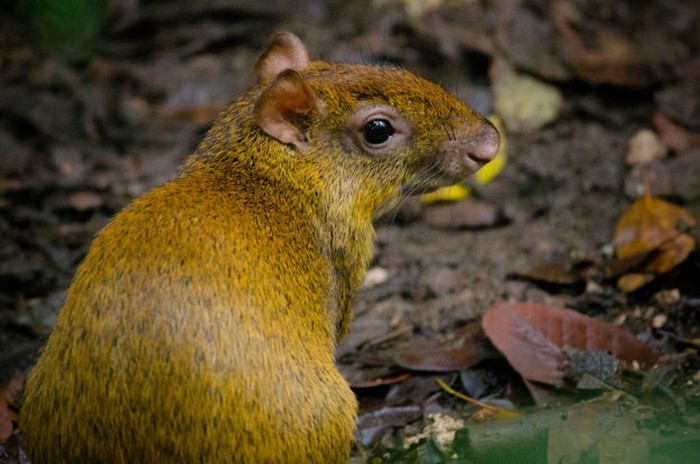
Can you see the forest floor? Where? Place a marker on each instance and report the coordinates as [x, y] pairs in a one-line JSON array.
[[79, 142]]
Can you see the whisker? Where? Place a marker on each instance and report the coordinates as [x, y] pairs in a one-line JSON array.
[[446, 127], [449, 130], [422, 177]]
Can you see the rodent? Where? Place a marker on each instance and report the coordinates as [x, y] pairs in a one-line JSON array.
[[201, 325]]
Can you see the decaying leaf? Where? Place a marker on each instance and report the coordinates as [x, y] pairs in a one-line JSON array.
[[674, 375], [466, 348], [372, 424], [8, 407], [561, 273], [533, 338], [649, 223], [634, 281], [381, 381], [652, 225]]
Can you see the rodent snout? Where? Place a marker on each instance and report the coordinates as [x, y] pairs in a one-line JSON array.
[[483, 146], [470, 150]]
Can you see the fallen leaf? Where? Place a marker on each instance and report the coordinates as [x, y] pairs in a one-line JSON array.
[[532, 337], [8, 404], [358, 375], [672, 253], [372, 424], [647, 224], [616, 267], [563, 273], [382, 381], [653, 225], [629, 283], [414, 390], [466, 348], [674, 375]]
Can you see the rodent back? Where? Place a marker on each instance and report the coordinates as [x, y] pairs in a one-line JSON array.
[[210, 307]]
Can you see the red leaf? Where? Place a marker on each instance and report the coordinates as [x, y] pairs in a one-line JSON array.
[[532, 337]]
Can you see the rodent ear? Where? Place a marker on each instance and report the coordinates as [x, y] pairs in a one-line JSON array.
[[283, 110], [285, 51]]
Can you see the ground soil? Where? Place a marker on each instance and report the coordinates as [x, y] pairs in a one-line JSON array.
[[79, 142]]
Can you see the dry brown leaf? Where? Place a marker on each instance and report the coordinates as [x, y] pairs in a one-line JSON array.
[[648, 224], [562, 273], [671, 254], [382, 381], [619, 266], [372, 424], [628, 283], [532, 337], [652, 225], [466, 348]]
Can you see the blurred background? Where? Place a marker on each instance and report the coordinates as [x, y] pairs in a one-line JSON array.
[[100, 100]]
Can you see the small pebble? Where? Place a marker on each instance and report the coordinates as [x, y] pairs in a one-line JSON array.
[[659, 321], [375, 276], [644, 147]]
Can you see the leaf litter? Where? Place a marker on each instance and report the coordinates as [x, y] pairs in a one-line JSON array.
[[71, 172]]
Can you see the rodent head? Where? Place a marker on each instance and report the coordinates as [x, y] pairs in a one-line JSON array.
[[391, 129]]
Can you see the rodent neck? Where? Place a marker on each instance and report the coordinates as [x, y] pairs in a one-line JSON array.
[[313, 188]]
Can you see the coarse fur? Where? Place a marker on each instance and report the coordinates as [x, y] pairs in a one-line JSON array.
[[201, 325]]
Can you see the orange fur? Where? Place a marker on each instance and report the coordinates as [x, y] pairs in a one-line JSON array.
[[202, 323]]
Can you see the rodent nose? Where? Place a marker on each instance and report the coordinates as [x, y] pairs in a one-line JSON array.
[[483, 146]]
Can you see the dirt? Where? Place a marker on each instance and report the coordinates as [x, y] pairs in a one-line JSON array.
[[80, 141]]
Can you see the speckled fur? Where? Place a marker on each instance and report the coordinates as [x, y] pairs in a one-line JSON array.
[[202, 323]]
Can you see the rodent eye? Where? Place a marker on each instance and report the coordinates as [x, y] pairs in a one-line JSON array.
[[377, 131]]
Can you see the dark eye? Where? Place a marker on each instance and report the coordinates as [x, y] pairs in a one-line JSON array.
[[377, 131]]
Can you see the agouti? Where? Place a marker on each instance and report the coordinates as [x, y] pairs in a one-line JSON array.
[[202, 324]]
